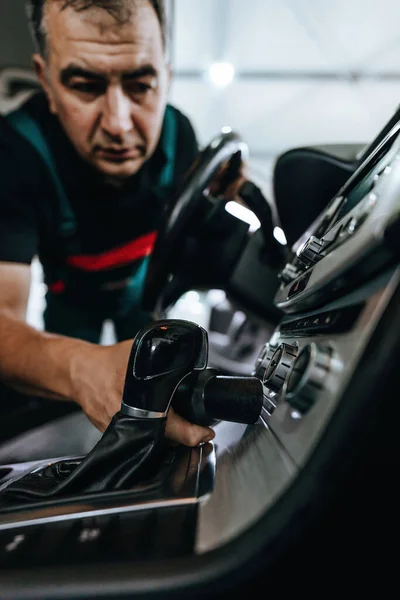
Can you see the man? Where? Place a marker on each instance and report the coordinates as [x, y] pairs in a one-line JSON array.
[[87, 168]]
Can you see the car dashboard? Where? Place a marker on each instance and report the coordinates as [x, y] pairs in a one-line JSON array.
[[338, 296]]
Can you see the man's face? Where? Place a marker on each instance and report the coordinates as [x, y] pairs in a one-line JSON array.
[[107, 83]]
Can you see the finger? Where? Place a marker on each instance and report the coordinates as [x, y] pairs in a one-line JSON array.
[[206, 450], [181, 431], [233, 191]]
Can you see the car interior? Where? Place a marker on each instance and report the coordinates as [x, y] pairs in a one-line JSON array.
[[295, 366]]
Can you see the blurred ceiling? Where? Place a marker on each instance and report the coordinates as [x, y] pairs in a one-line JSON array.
[[306, 71]]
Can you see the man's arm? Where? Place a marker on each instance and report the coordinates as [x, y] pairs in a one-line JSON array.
[[62, 368], [29, 360]]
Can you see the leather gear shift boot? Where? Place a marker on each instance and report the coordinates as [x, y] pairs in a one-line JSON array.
[[129, 450]]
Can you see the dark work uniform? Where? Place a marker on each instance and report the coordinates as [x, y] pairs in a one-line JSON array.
[[94, 243]]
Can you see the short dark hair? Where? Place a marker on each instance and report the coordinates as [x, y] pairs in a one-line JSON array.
[[117, 8]]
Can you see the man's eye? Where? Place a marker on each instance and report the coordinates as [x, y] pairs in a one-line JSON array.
[[87, 87], [138, 87]]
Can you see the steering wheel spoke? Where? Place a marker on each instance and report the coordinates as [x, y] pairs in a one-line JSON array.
[[182, 233]]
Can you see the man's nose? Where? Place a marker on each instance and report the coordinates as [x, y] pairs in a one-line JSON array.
[[116, 117]]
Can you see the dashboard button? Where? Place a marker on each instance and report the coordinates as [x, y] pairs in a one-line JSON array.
[[16, 545], [87, 538]]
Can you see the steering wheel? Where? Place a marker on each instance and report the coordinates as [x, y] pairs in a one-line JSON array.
[[189, 206]]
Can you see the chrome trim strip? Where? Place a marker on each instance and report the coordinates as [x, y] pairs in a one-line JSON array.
[[83, 514]]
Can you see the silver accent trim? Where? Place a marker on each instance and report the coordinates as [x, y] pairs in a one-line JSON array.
[[139, 413]]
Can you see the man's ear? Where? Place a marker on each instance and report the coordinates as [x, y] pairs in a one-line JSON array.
[[41, 69], [169, 75]]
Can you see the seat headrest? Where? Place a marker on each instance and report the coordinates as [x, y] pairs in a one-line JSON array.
[[306, 179]]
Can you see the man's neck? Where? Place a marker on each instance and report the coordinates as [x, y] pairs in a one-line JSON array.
[[114, 181]]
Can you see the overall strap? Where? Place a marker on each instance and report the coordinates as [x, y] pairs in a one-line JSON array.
[[26, 126], [169, 138]]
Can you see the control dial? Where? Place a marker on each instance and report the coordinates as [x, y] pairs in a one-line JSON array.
[[279, 367], [307, 378], [309, 254], [289, 273], [263, 361]]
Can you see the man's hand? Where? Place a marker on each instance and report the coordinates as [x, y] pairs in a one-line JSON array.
[[98, 377], [229, 179]]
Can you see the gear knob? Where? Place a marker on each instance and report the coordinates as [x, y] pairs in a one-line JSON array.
[[162, 354]]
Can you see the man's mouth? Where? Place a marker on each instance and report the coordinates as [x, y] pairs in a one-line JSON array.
[[120, 154]]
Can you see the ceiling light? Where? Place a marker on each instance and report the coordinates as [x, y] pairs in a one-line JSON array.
[[221, 74]]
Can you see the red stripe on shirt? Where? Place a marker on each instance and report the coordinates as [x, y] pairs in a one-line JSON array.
[[117, 257], [57, 287]]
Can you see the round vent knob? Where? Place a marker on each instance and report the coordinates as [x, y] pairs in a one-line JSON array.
[[307, 378], [279, 367], [263, 360]]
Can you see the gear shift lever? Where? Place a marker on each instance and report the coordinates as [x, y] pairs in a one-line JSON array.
[[161, 356]]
